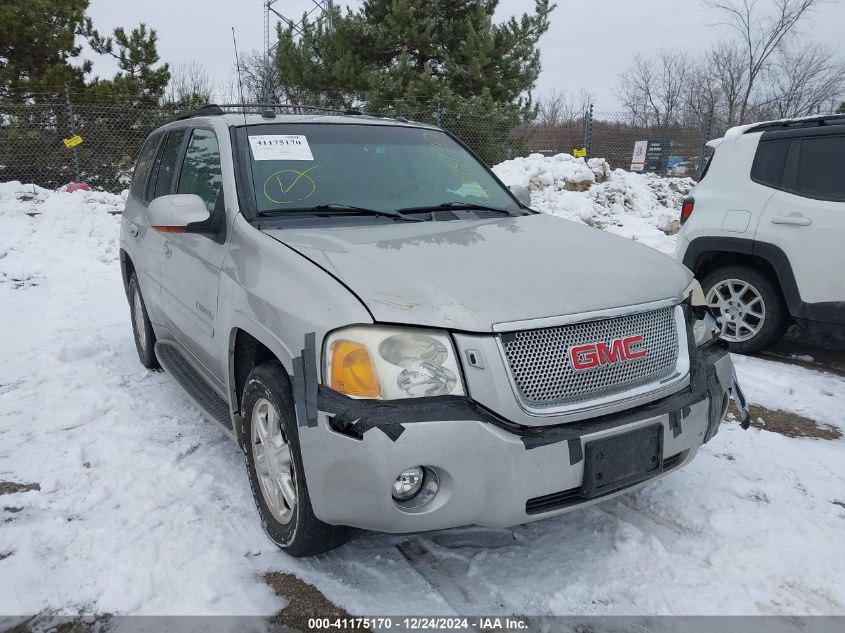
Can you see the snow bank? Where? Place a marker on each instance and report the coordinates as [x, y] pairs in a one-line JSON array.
[[643, 207]]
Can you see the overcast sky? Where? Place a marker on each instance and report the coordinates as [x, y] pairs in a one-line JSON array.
[[588, 45]]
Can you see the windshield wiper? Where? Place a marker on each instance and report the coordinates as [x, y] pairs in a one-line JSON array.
[[457, 206], [337, 209]]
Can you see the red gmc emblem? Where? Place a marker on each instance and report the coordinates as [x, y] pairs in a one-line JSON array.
[[594, 355]]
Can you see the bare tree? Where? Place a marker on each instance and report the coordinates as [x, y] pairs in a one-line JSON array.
[[260, 79], [189, 84], [761, 36], [726, 64], [653, 90], [804, 80], [558, 108]]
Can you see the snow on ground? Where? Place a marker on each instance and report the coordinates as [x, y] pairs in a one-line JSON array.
[[644, 207], [144, 507]]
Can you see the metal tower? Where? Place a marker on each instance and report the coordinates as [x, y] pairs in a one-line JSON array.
[[321, 10]]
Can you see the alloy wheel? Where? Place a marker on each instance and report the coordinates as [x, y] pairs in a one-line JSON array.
[[739, 309], [140, 325], [271, 453]]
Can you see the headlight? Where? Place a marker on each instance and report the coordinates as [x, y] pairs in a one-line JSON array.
[[704, 326], [388, 363]]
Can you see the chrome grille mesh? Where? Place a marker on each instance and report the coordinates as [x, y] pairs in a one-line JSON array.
[[542, 369]]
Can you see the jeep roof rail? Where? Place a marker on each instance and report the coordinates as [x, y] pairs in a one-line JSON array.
[[798, 123]]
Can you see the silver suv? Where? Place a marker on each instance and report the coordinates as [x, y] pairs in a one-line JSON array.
[[396, 341]]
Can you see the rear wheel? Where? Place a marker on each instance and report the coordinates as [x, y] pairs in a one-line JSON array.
[[145, 338], [274, 465], [748, 307]]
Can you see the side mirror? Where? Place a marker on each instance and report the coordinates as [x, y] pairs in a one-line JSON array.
[[521, 193], [180, 213]]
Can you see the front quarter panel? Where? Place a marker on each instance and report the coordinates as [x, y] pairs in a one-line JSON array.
[[279, 296]]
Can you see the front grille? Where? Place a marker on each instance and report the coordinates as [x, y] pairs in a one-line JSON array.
[[540, 361]]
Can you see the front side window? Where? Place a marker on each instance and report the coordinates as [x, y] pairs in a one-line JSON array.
[[374, 166], [167, 163], [201, 173], [821, 170]]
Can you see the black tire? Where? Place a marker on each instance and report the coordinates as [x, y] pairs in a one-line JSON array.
[[777, 317], [145, 338], [304, 534]]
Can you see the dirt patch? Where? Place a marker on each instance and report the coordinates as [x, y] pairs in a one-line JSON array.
[[807, 356], [788, 424], [11, 487], [304, 601]]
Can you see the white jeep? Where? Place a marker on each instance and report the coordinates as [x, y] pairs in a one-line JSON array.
[[764, 230]]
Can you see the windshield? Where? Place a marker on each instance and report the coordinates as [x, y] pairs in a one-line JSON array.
[[382, 167]]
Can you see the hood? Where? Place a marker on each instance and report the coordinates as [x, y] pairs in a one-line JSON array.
[[471, 275]]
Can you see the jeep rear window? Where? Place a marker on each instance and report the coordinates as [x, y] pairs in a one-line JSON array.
[[372, 166], [768, 162]]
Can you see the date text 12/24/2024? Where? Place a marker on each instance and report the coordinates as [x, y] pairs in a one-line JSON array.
[[418, 623]]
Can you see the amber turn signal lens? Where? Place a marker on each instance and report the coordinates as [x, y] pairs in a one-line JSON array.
[[353, 372]]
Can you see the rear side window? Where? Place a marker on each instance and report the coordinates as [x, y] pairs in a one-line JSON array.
[[821, 168], [167, 163], [144, 164], [201, 173], [768, 162]]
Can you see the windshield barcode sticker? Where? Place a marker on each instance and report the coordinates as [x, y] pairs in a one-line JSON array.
[[280, 147]]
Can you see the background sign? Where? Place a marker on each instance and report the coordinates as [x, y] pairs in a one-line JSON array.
[[73, 141], [638, 159]]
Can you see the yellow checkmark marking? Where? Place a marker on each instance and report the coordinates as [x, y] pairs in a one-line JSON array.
[[298, 177]]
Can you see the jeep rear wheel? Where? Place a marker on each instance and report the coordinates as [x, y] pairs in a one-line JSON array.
[[748, 307], [274, 464]]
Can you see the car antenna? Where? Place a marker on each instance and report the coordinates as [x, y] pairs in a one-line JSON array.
[[243, 108]]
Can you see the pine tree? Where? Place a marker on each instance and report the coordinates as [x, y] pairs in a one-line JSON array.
[[37, 44], [138, 80], [443, 61], [406, 50]]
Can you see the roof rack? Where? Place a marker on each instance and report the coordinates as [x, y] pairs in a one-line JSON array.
[[269, 111], [798, 123]]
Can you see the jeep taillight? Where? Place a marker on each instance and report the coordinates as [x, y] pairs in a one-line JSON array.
[[686, 209]]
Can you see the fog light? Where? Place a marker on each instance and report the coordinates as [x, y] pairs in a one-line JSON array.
[[408, 483]]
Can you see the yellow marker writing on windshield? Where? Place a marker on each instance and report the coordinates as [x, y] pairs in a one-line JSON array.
[[299, 184]]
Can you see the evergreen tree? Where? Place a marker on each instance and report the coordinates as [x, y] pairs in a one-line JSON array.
[[392, 50], [138, 80], [444, 61], [37, 44], [841, 108]]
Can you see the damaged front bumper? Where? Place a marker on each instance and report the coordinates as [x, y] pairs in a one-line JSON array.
[[491, 472]]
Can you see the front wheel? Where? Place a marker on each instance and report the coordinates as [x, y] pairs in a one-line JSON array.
[[274, 465], [748, 307]]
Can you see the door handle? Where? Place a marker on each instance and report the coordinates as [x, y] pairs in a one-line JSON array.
[[132, 229], [167, 251], [796, 220]]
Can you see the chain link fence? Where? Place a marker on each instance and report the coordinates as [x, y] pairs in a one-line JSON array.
[[33, 135]]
